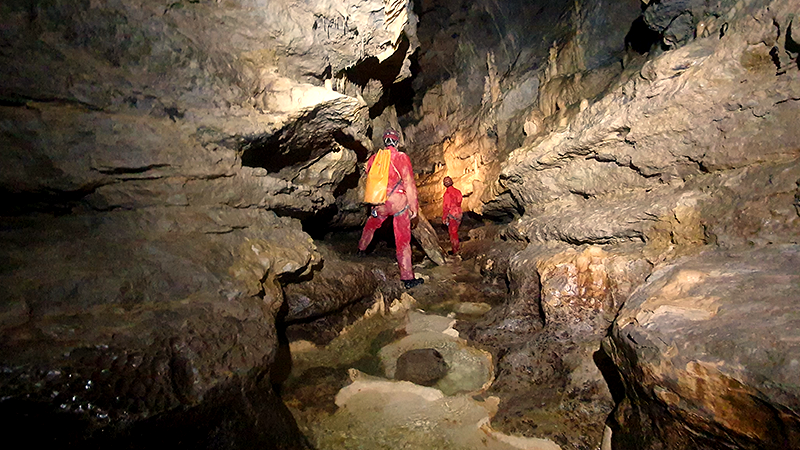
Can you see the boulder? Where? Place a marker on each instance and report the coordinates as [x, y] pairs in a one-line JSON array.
[[707, 353], [334, 285], [423, 366]]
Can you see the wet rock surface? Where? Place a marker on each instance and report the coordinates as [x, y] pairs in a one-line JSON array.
[[546, 338], [160, 319], [546, 377], [337, 284], [376, 411], [423, 366]]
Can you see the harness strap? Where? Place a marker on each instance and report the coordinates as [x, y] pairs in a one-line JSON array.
[[399, 182], [401, 211], [396, 185]]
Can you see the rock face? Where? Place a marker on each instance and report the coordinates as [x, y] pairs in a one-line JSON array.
[[546, 339], [685, 163], [144, 146], [337, 284], [153, 154], [607, 178], [114, 318], [490, 55], [187, 91], [708, 353]]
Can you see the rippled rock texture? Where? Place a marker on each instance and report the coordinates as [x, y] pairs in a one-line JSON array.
[[146, 146], [695, 146], [707, 351]]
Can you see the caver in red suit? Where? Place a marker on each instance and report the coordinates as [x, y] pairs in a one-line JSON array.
[[451, 212], [401, 204]]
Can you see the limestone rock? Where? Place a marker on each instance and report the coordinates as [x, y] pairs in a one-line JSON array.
[[710, 354], [142, 312], [423, 366], [563, 301], [581, 292], [606, 178], [392, 414], [145, 144], [678, 20], [337, 284]]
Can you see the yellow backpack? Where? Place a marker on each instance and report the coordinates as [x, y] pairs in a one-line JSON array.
[[378, 178]]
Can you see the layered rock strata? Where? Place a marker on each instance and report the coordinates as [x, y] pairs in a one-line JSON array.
[[145, 144], [707, 352]]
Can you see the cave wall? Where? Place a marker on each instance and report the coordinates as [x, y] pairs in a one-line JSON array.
[[147, 147], [479, 83], [689, 143], [686, 156], [672, 143]]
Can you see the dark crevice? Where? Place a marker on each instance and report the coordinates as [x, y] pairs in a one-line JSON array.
[[776, 59], [282, 365], [350, 142], [130, 170], [601, 240], [350, 181], [642, 172], [316, 226], [611, 374], [275, 152], [293, 213], [293, 146], [18, 101], [372, 69], [49, 201], [640, 37], [386, 72], [791, 45], [585, 195], [700, 166], [12, 102], [229, 230], [401, 95]]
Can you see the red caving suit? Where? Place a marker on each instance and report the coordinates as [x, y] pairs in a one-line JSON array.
[[401, 202], [451, 214]]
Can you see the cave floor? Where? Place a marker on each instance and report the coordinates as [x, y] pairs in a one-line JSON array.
[[340, 393]]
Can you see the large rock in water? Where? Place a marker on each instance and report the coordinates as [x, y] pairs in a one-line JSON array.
[[708, 351], [423, 366]]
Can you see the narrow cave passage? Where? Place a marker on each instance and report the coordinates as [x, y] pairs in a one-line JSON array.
[[183, 188], [364, 362]]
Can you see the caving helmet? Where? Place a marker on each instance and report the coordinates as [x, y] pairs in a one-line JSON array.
[[391, 137], [447, 181]]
